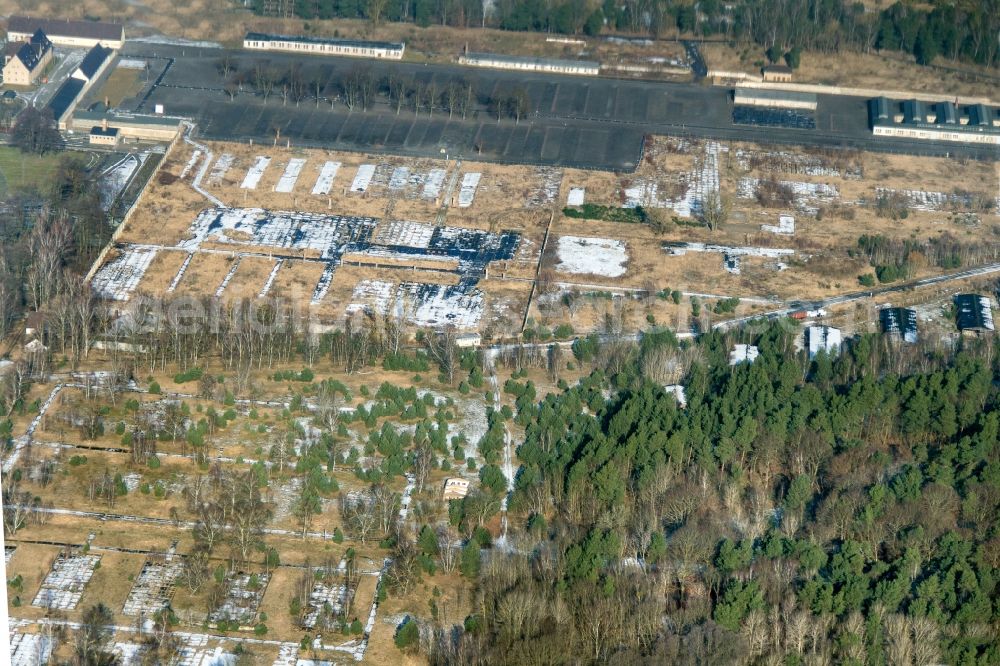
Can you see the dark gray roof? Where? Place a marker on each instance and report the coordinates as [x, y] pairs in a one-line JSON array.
[[914, 111], [32, 51], [102, 131], [56, 27], [65, 97], [880, 108], [901, 322], [356, 43], [979, 114], [781, 69], [948, 116], [973, 313], [946, 113], [94, 59]]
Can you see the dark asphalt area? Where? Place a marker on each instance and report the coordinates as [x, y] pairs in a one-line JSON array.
[[583, 122]]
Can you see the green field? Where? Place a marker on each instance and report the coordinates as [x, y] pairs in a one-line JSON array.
[[120, 84], [19, 170]]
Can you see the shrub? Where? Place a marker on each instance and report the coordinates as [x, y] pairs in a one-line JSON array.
[[408, 634], [890, 272], [190, 375], [726, 305], [591, 211], [563, 331]]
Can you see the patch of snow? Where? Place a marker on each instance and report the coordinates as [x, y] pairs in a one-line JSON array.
[[117, 279], [287, 181], [255, 173], [325, 180], [592, 256], [220, 168], [190, 164], [433, 184], [405, 233], [786, 225], [467, 190], [363, 178]]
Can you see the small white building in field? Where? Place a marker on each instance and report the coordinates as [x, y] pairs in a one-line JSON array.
[[258, 41], [455, 488], [468, 340]]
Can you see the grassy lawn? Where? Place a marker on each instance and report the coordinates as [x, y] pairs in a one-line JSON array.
[[120, 84], [18, 170]]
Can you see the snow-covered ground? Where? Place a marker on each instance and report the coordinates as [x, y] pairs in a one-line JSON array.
[[255, 172], [467, 190], [271, 277], [779, 161], [116, 178], [431, 305], [278, 229], [325, 180], [363, 178], [29, 649], [221, 167], [548, 180], [592, 256], [472, 422], [373, 296], [399, 179], [435, 305], [786, 225], [229, 276], [433, 184], [190, 164], [927, 201], [117, 279], [703, 180], [287, 181], [806, 195], [409, 234], [63, 585], [576, 196], [323, 286]]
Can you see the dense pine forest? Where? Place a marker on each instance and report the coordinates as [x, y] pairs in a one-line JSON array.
[[963, 29], [841, 510]]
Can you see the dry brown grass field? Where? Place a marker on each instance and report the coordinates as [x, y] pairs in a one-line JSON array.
[[529, 201]]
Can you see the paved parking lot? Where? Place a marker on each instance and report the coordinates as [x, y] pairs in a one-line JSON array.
[[586, 122]]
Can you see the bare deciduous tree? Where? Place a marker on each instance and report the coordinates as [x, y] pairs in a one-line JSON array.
[[715, 209]]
